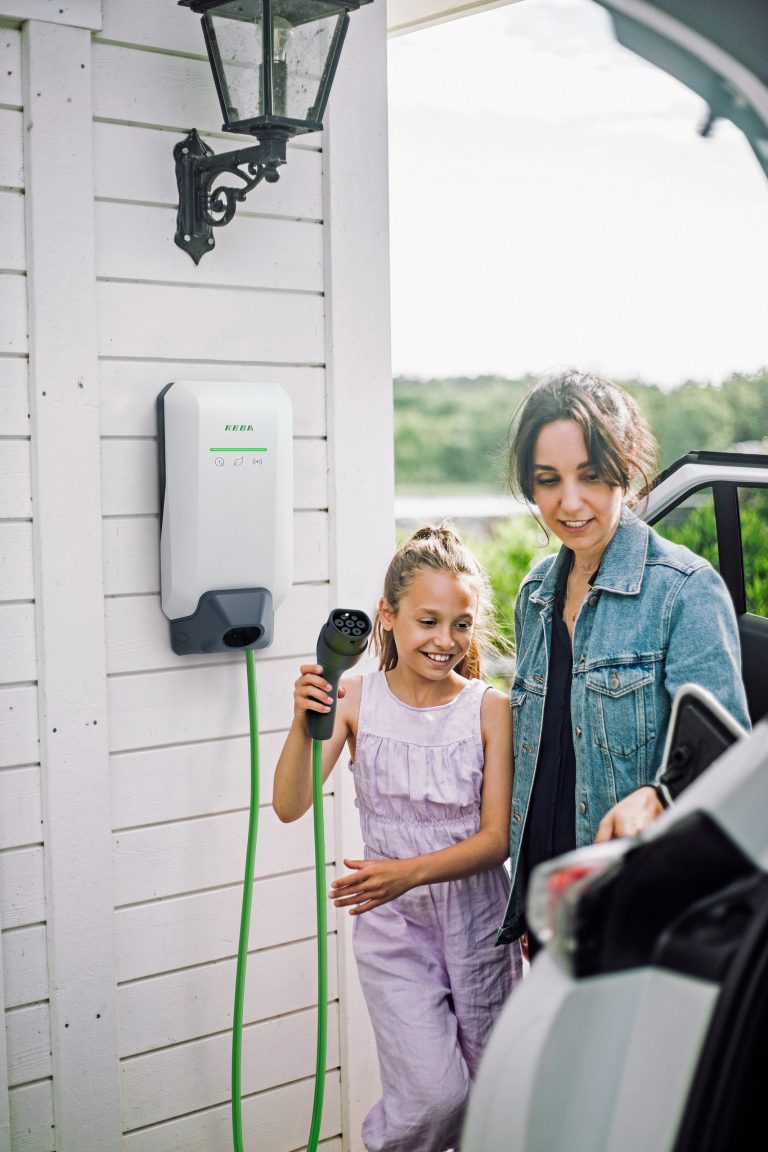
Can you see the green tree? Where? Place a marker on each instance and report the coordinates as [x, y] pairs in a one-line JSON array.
[[455, 432]]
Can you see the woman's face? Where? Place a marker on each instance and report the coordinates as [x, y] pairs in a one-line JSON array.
[[574, 502]]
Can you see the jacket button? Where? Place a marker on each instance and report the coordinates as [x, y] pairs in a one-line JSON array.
[[614, 680], [582, 807], [578, 731], [593, 599]]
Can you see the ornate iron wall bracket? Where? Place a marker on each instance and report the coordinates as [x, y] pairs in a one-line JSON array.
[[203, 205]]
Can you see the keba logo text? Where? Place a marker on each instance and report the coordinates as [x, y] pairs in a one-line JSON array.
[[238, 427]]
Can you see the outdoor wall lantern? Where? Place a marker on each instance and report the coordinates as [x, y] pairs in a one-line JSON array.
[[273, 63]]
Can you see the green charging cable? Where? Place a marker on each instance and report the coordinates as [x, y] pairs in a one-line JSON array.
[[322, 943], [245, 916], [245, 924]]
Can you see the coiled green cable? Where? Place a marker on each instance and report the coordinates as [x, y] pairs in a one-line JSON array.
[[245, 924]]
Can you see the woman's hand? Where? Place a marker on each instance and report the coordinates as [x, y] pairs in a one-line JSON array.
[[630, 816], [372, 883]]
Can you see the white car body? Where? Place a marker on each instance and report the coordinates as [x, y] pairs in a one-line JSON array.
[[606, 1063]]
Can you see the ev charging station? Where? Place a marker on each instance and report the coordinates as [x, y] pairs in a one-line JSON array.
[[225, 462], [225, 458]]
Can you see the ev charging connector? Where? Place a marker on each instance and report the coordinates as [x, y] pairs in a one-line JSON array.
[[341, 643], [226, 512]]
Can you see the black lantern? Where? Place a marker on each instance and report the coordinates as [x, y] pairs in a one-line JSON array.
[[273, 64]]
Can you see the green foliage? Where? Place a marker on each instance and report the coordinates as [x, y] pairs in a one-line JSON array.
[[508, 554], [456, 432], [453, 434], [698, 532], [754, 528]]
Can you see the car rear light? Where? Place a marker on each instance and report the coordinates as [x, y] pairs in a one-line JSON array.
[[556, 887]]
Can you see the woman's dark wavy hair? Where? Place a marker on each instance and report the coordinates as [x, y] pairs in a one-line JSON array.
[[620, 445], [439, 548]]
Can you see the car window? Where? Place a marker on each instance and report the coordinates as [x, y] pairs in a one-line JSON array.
[[692, 523], [753, 518]]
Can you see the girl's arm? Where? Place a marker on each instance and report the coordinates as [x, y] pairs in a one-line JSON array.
[[292, 787], [375, 882]]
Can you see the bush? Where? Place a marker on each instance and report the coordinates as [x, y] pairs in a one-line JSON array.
[[507, 554]]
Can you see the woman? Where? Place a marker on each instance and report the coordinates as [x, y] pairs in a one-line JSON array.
[[606, 631]]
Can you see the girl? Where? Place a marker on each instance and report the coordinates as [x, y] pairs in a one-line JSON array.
[[430, 748]]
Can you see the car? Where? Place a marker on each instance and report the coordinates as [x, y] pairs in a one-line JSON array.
[[717, 504], [642, 1023]]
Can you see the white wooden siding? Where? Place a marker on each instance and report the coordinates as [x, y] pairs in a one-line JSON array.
[[180, 1006], [13, 309], [11, 231], [202, 927], [12, 152], [20, 810], [274, 1119], [18, 726], [31, 1111], [25, 966], [254, 309], [5, 1111], [361, 475], [14, 396], [64, 410], [154, 748], [10, 76], [25, 1051]]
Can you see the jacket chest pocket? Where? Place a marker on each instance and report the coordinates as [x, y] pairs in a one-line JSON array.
[[620, 699]]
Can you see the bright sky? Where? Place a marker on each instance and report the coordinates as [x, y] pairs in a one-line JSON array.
[[552, 204]]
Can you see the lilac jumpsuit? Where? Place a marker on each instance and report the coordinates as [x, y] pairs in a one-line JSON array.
[[433, 980]]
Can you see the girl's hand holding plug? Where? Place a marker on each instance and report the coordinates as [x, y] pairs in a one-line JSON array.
[[374, 882], [311, 692]]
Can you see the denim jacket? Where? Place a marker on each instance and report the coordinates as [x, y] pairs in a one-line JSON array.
[[657, 616]]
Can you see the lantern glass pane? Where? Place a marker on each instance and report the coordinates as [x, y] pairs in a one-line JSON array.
[[238, 29], [304, 33]]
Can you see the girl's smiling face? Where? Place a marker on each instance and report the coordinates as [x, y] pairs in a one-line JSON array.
[[434, 622], [575, 503]]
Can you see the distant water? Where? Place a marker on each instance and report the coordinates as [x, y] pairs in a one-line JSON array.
[[452, 507]]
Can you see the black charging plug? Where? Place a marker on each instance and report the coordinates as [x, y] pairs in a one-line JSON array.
[[342, 641]]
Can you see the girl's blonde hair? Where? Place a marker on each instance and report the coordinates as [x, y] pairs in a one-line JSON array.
[[439, 548]]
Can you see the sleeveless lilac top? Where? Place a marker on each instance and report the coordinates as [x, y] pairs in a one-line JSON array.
[[418, 772]]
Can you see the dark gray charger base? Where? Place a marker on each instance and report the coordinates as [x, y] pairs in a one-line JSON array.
[[226, 620]]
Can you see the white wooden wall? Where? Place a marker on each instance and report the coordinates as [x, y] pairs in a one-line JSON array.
[[123, 768]]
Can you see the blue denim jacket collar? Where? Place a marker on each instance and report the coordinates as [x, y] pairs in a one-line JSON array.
[[622, 565]]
